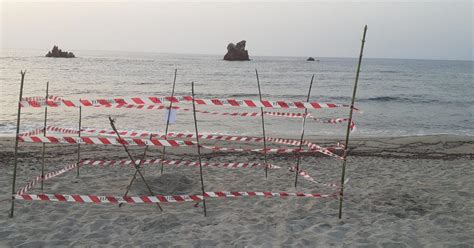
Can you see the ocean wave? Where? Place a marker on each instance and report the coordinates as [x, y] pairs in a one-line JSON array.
[[384, 99], [412, 99], [388, 71]]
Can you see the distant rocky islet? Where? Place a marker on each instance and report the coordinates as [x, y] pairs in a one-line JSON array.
[[58, 53], [237, 52]]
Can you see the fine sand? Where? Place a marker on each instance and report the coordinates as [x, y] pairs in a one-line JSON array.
[[403, 192]]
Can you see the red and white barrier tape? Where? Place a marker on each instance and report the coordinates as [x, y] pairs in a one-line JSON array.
[[269, 150], [134, 106], [249, 114], [324, 150], [154, 142], [103, 163], [40, 98], [174, 162], [57, 101], [161, 100], [104, 141], [334, 121], [163, 142], [159, 198], [128, 133], [62, 130], [29, 185], [32, 132], [241, 114], [173, 134], [306, 176], [47, 176], [281, 114], [183, 135]]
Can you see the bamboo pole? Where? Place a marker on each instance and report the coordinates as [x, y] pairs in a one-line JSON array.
[[79, 144], [341, 198], [168, 119], [198, 149], [15, 163], [302, 133], [263, 127], [44, 133], [137, 168]]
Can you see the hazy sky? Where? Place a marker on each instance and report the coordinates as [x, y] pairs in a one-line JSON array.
[[397, 29]]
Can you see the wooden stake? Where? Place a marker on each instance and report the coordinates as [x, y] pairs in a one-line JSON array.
[[302, 133], [198, 149], [168, 119], [136, 171], [44, 133], [79, 144], [15, 163], [137, 168], [263, 127], [151, 136], [341, 198]]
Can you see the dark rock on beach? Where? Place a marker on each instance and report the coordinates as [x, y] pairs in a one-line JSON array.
[[57, 53], [237, 52]]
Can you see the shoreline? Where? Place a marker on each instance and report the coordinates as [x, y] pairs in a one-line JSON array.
[[446, 147]]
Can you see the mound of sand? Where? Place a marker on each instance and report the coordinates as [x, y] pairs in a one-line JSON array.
[[165, 184]]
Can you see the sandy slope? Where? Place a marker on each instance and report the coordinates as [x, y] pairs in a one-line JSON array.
[[403, 192]]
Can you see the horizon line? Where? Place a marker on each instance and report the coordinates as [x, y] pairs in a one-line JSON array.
[[214, 54]]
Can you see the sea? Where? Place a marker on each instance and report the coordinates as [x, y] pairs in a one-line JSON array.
[[396, 97]]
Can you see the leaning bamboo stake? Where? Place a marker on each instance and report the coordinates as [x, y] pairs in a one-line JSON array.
[[168, 119], [198, 149], [136, 171], [44, 133], [146, 147], [302, 133], [341, 198], [15, 163], [137, 168], [263, 127], [79, 144]]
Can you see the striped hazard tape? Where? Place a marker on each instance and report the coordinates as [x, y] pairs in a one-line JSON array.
[[306, 176], [32, 132], [224, 137], [161, 100], [282, 114], [33, 103], [334, 121], [175, 162], [159, 143], [103, 163], [174, 143], [40, 98], [62, 130], [103, 141], [47, 176], [267, 150], [249, 114], [160, 198]]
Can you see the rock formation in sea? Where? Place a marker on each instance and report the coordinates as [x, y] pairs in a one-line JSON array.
[[57, 53], [310, 59], [236, 52]]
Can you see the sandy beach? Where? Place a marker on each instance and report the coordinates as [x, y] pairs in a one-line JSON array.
[[403, 192]]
